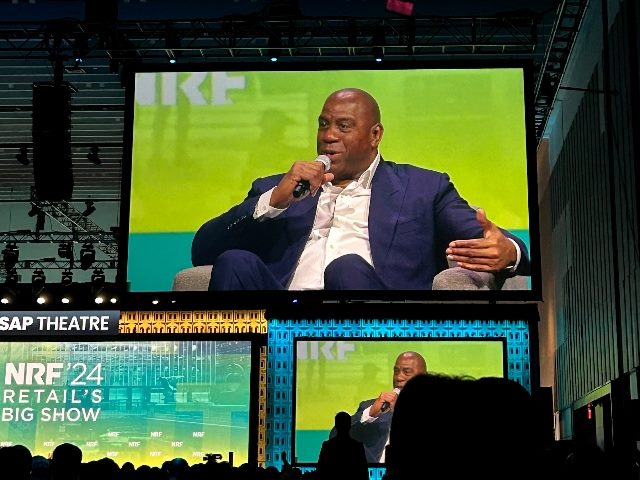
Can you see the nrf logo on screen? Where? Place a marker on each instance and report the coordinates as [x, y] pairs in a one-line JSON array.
[[199, 88], [313, 350]]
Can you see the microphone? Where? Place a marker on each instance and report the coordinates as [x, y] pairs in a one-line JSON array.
[[303, 185], [386, 405]]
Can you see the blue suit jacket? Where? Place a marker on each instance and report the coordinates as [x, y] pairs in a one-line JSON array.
[[373, 435], [413, 215]]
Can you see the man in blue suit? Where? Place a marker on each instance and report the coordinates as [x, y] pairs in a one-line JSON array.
[[365, 224], [372, 421]]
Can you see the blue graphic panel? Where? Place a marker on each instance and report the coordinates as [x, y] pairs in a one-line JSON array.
[[280, 363]]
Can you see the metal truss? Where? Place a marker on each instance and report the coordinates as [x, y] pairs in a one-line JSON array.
[[51, 263], [71, 218], [27, 236], [253, 36], [569, 17]]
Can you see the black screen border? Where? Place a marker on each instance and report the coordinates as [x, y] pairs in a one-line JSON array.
[[296, 340], [277, 298]]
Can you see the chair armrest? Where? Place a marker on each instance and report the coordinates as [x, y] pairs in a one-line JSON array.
[[192, 279], [458, 278]]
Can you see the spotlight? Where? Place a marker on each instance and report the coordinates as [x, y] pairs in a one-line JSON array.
[[99, 300], [378, 54], [38, 280], [76, 67], [11, 280], [114, 300], [10, 256], [274, 48], [41, 300], [172, 43], [65, 250], [22, 156], [155, 302], [378, 41], [65, 300], [87, 256], [93, 156], [67, 278], [5, 300], [98, 279], [90, 208]]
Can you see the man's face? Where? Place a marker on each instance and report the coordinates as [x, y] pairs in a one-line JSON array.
[[406, 367], [348, 135]]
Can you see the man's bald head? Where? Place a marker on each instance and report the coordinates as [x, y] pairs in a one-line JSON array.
[[408, 365], [360, 96]]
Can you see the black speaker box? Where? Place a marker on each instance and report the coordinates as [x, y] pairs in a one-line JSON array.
[[51, 131]]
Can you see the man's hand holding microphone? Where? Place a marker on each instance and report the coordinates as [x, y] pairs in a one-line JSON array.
[[301, 179], [384, 403]]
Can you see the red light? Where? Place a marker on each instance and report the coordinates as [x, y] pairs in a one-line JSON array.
[[589, 411], [400, 6]]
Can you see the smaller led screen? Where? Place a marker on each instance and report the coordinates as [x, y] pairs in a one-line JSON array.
[[140, 401], [337, 375]]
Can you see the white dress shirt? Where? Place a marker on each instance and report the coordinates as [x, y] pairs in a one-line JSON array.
[[340, 227]]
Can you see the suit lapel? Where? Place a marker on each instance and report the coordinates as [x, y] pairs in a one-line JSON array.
[[304, 213], [387, 196]]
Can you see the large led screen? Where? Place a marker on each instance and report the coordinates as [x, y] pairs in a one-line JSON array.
[[140, 401], [199, 140], [333, 375]]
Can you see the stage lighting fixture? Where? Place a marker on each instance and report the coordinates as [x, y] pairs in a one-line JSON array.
[[99, 300], [65, 300], [67, 278], [11, 280], [378, 40], [41, 300], [378, 54], [35, 209], [90, 208], [93, 156], [87, 256], [5, 300], [114, 300], [65, 250], [40, 218], [22, 156], [10, 256], [98, 278], [38, 280], [274, 48], [172, 43]]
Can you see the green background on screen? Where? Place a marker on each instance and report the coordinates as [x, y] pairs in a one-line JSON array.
[[326, 383]]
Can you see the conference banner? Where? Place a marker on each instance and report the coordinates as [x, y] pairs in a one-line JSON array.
[[26, 323], [139, 401]]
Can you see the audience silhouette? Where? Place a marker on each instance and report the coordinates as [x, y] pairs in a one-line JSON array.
[[65, 462], [443, 427], [461, 427], [342, 456]]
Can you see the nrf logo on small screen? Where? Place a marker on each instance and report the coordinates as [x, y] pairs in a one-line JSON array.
[[330, 350]]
